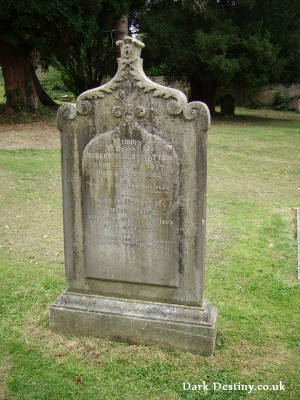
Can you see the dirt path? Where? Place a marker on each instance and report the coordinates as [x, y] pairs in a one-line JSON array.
[[33, 135]]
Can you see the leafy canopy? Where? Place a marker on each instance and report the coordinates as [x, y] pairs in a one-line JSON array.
[[70, 33], [227, 46]]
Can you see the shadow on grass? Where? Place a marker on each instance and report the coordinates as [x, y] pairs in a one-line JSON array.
[[7, 116], [255, 119]]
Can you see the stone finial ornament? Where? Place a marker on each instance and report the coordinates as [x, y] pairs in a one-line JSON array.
[[130, 47]]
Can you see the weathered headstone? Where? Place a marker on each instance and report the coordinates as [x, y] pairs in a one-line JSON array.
[[227, 105], [134, 192]]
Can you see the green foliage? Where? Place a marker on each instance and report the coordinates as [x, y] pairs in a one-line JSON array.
[[281, 102], [68, 33], [157, 70], [281, 19], [83, 67], [51, 80], [53, 24], [89, 54], [218, 47]]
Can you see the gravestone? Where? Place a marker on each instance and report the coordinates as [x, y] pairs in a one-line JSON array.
[[134, 193], [227, 105]]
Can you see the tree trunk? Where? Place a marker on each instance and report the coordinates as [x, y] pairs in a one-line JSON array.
[[121, 32], [20, 90], [43, 96], [204, 91]]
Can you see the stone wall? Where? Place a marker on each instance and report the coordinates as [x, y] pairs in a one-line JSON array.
[[180, 85], [266, 94]]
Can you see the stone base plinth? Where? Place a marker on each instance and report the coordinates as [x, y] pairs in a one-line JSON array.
[[175, 326]]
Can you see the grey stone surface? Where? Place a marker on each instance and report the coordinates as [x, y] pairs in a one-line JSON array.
[[174, 326], [134, 192]]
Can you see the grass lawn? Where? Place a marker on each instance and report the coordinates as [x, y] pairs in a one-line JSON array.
[[253, 192]]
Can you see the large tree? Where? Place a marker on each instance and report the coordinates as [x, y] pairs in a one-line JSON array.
[[21, 28], [75, 34], [213, 46], [281, 19]]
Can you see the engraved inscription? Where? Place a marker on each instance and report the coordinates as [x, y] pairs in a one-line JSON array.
[[130, 207]]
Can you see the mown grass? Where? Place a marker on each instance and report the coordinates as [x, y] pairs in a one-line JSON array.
[[253, 190]]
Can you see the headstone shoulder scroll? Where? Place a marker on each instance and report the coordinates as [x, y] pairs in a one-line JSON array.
[[134, 189]]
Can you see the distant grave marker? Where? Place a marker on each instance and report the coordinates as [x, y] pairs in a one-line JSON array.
[[227, 105], [134, 192]]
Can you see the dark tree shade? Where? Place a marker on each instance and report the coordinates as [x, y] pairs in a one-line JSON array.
[[70, 33], [215, 47], [281, 20]]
